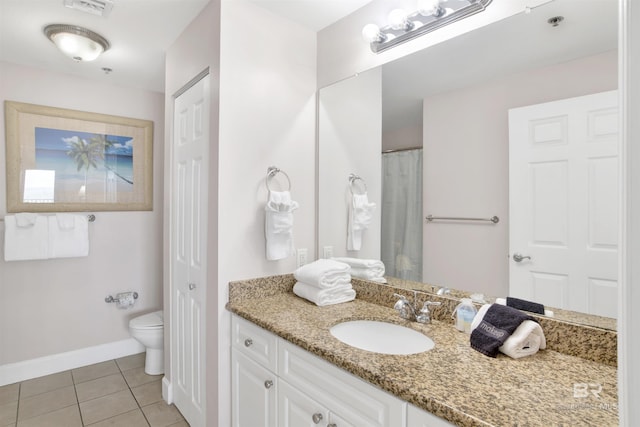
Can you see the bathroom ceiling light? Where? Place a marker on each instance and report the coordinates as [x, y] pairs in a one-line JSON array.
[[431, 15], [76, 42]]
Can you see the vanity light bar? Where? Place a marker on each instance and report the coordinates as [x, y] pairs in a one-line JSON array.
[[444, 12]]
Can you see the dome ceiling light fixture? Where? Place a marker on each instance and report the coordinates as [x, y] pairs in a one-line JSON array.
[[78, 43]]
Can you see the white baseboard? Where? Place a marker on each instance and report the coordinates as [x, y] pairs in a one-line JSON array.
[[167, 390], [25, 370]]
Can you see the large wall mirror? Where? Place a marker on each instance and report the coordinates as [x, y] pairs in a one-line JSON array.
[[430, 134]]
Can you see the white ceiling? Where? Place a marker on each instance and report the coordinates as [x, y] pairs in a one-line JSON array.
[[140, 31]]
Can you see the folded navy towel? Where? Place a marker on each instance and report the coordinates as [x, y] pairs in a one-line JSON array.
[[520, 304], [498, 323]]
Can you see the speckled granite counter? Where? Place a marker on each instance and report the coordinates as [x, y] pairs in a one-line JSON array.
[[452, 380]]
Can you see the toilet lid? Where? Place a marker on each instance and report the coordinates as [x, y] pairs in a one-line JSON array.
[[151, 320]]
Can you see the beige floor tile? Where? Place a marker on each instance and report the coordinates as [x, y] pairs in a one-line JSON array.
[[9, 393], [65, 417], [130, 362], [108, 406], [162, 415], [44, 384], [134, 418], [136, 377], [91, 372], [8, 413], [100, 387], [46, 402], [148, 393]]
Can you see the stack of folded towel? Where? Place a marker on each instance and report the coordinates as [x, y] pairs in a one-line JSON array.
[[324, 282], [368, 269], [499, 328]]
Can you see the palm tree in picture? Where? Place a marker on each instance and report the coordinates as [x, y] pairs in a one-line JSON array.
[[86, 155]]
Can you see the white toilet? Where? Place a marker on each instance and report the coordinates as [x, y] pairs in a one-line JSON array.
[[148, 329]]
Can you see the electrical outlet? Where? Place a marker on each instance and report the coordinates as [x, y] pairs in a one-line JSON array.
[[301, 257], [327, 252]]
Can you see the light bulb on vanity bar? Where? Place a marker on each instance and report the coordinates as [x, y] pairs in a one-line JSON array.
[[371, 33], [398, 20], [430, 8]]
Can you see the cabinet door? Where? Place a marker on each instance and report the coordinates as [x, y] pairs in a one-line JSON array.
[[296, 409], [254, 393], [336, 421], [416, 417]]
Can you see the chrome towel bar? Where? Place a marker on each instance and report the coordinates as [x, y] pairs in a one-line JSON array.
[[494, 219], [90, 218]]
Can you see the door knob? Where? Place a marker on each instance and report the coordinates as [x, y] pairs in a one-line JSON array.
[[248, 342], [519, 257], [192, 286], [316, 418]]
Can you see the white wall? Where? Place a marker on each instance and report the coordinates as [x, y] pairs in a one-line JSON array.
[[54, 306], [403, 138], [467, 167], [267, 118], [342, 52], [350, 128]]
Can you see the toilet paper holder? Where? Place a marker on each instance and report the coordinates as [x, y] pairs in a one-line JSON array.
[[112, 299]]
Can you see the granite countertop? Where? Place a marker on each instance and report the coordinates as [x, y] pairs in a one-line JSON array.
[[452, 380]]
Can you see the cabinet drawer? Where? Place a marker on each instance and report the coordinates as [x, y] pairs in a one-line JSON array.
[[257, 343], [352, 399]]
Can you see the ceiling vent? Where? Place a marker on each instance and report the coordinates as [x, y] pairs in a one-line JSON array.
[[94, 7]]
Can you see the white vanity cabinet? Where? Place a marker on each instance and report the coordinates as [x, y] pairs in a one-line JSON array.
[[276, 383], [417, 417], [254, 388]]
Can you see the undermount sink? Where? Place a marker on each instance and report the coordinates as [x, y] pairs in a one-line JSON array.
[[381, 337]]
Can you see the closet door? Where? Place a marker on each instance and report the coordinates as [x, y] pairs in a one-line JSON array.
[[188, 250]]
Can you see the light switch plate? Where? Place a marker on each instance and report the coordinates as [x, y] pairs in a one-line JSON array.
[[327, 252], [301, 257]]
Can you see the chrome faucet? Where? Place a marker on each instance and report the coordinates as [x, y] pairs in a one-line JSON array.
[[408, 311]]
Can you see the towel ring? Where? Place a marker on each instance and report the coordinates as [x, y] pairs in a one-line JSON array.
[[352, 179], [273, 171]]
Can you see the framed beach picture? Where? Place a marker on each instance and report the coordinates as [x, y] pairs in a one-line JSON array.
[[64, 160]]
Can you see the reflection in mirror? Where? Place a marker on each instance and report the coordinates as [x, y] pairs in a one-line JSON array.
[[452, 100]]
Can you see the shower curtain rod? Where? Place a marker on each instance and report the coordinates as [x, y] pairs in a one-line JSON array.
[[401, 149]]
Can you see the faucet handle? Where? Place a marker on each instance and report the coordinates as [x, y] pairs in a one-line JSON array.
[[425, 314], [426, 304], [402, 297]]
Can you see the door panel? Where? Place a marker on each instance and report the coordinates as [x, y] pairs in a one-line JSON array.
[[563, 203], [188, 269]]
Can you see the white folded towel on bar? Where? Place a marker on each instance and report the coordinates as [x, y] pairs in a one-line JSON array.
[[324, 297], [369, 269], [279, 225], [68, 236], [360, 216], [26, 242], [324, 274]]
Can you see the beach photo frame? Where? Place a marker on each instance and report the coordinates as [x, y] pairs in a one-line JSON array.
[[60, 160]]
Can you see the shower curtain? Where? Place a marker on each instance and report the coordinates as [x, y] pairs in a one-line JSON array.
[[401, 246]]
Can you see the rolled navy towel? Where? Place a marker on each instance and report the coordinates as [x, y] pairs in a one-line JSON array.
[[493, 324], [521, 304]]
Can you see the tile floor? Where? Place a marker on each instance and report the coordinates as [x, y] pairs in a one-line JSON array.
[[116, 393]]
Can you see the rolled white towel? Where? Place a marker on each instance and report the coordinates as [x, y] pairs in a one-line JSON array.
[[323, 297], [526, 340], [324, 274]]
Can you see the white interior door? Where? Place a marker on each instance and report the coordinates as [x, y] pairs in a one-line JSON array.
[[563, 203], [188, 250]]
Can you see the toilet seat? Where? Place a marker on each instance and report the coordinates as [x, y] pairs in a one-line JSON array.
[[148, 321]]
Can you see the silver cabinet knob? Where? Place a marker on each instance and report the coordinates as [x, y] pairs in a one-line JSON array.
[[519, 257], [268, 384], [316, 418], [192, 286], [248, 342]]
